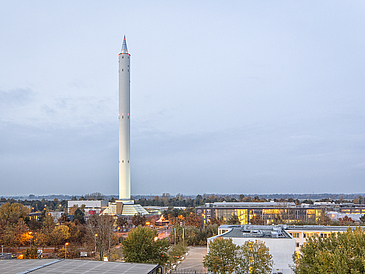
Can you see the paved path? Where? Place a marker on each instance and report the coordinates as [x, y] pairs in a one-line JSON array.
[[194, 260]]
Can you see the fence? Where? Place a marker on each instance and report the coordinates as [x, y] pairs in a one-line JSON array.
[[187, 272]]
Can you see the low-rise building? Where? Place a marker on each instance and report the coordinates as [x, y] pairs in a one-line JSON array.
[[90, 206], [303, 232], [280, 243], [264, 213]]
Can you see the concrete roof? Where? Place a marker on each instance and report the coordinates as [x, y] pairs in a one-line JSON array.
[[72, 266], [254, 231], [318, 228]]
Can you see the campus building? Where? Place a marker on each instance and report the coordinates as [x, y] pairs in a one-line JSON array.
[[266, 213], [303, 232], [91, 207], [263, 213]]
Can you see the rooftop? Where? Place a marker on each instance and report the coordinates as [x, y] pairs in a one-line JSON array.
[[73, 266], [254, 231], [249, 204]]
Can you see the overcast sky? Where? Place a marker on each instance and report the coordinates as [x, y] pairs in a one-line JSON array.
[[226, 96]]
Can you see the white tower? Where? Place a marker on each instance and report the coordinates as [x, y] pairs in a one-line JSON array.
[[125, 205], [124, 124]]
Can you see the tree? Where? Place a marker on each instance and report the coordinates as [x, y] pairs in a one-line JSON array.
[[101, 231], [122, 222], [256, 220], [254, 258], [12, 212], [324, 219], [222, 257], [362, 219], [346, 220], [233, 220], [139, 219], [341, 253], [193, 220], [79, 215], [143, 246]]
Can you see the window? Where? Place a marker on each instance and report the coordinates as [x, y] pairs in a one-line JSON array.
[[297, 244]]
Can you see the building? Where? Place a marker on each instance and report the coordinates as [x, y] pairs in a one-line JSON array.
[[280, 243], [91, 207], [264, 213], [75, 266], [302, 232]]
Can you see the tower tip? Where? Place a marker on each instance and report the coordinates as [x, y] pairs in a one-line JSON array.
[[124, 46]]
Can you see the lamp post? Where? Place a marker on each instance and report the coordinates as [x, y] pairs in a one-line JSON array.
[[66, 244], [96, 235], [30, 239]]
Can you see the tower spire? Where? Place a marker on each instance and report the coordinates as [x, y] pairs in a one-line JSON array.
[[124, 46]]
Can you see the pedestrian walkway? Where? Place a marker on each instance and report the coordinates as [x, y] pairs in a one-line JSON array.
[[193, 262]]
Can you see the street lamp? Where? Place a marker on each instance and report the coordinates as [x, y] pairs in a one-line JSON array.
[[66, 244], [96, 235], [30, 239]]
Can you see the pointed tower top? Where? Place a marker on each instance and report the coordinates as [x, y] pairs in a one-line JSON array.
[[124, 46]]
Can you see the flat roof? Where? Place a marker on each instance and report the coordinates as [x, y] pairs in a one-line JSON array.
[[248, 204], [318, 228], [57, 266], [255, 231]]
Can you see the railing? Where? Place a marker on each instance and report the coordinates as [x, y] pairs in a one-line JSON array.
[[187, 272]]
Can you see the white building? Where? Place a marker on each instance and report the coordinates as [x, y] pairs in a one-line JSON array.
[[91, 207], [280, 243]]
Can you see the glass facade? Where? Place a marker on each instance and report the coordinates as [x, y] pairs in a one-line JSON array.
[[260, 215]]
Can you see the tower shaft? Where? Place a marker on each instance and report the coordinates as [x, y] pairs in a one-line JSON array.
[[124, 124]]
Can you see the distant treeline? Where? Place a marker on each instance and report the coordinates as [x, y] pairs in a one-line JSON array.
[[98, 196], [181, 200]]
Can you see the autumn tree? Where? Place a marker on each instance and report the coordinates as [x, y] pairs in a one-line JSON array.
[[122, 222], [233, 220], [222, 256], [13, 212], [193, 220], [257, 220], [214, 220], [143, 246], [341, 253], [44, 236], [101, 230], [139, 219], [346, 220], [255, 258], [15, 234]]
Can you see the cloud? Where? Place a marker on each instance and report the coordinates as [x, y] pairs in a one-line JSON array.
[[16, 97]]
